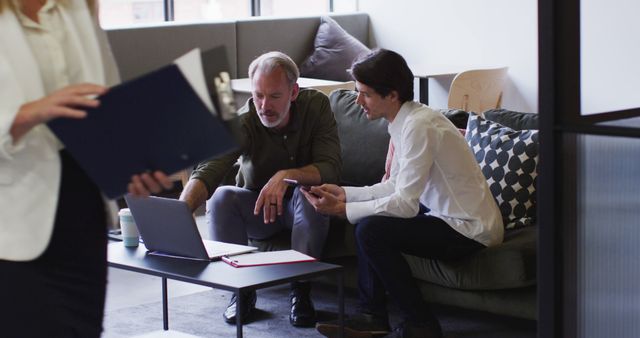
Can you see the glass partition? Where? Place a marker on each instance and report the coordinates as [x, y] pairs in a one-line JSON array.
[[608, 237]]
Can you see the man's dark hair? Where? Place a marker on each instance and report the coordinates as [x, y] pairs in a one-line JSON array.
[[384, 71]]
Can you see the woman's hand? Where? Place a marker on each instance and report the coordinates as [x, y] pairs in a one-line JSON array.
[[148, 183], [67, 102]]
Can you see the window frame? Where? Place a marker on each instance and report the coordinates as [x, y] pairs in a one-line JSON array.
[[169, 8]]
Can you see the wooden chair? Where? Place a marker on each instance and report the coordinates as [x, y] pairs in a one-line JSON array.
[[477, 90], [327, 89]]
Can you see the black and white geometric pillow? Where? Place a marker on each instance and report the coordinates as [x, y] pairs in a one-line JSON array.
[[508, 159]]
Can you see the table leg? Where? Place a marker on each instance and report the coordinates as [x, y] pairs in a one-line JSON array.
[[165, 305], [424, 90], [239, 318], [341, 303]]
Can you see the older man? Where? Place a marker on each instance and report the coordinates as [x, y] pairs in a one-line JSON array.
[[286, 132]]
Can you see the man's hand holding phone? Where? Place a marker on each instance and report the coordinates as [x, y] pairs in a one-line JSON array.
[[328, 199]]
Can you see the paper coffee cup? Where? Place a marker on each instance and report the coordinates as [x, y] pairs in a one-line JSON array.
[[130, 235]]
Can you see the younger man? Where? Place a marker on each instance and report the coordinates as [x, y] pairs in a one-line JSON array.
[[435, 204]]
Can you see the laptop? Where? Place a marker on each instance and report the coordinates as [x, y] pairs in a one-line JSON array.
[[168, 228]]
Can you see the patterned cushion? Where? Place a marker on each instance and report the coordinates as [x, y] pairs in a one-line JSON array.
[[508, 159]]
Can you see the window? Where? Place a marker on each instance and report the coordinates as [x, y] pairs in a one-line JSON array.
[[292, 7], [199, 10], [126, 12], [118, 13]]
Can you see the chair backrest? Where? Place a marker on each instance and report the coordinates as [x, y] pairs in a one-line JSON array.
[[477, 90], [327, 89]]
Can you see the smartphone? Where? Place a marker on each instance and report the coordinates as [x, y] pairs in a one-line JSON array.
[[295, 183], [290, 181]]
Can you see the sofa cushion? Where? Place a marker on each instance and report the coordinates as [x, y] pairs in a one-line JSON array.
[[334, 51], [364, 143], [511, 264], [508, 159]]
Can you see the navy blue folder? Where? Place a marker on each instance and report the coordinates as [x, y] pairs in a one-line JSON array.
[[153, 122]]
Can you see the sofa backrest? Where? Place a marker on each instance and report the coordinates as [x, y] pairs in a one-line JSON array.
[[364, 143], [512, 119], [140, 49]]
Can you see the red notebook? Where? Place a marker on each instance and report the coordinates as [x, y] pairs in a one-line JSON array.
[[267, 258]]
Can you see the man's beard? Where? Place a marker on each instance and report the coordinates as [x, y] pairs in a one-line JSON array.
[[277, 122]]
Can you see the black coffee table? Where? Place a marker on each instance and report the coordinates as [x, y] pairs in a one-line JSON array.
[[219, 275]]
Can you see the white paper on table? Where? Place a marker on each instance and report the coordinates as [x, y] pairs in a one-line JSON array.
[[267, 258]]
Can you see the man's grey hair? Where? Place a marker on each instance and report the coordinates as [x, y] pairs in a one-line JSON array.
[[269, 61]]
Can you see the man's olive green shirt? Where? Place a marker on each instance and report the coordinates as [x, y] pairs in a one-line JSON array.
[[310, 138]]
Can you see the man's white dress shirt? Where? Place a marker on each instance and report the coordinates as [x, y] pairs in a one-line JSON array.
[[432, 165]]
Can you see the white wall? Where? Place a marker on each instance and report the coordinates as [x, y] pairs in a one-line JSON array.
[[471, 33], [610, 55], [463, 34]]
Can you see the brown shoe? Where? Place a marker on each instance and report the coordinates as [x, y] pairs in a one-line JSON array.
[[358, 326], [406, 330]]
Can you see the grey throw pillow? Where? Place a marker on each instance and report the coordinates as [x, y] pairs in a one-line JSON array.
[[334, 51]]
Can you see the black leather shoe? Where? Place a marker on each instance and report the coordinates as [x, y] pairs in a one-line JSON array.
[[302, 312], [247, 307]]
